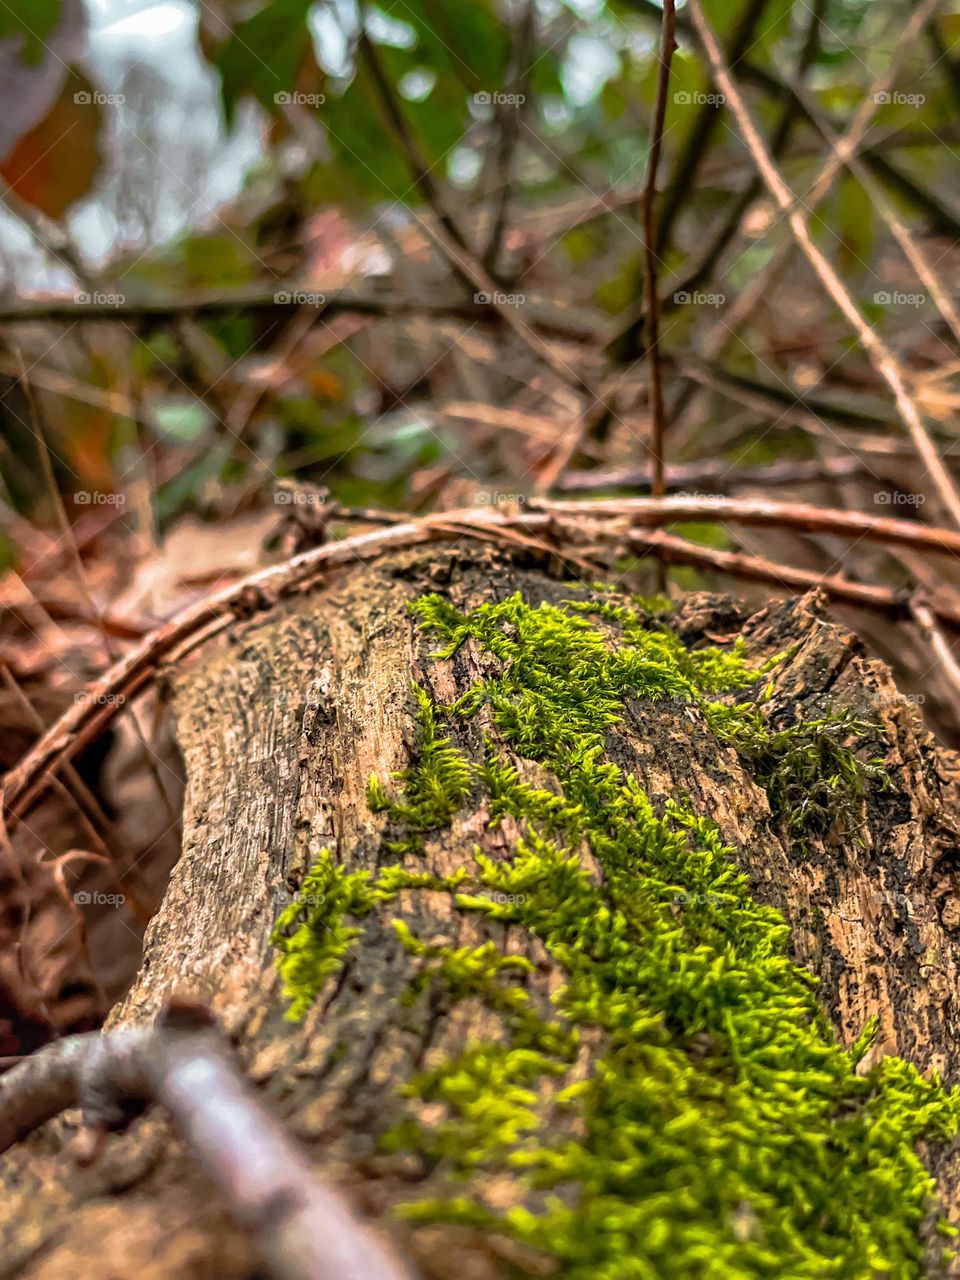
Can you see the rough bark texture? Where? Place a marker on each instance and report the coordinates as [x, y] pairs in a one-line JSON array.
[[280, 728]]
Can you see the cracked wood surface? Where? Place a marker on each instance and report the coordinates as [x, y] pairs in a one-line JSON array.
[[280, 726]]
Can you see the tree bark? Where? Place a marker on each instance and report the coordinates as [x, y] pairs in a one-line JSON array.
[[280, 727]]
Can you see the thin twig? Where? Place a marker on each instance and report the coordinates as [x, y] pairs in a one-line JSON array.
[[926, 620], [763, 284], [668, 43], [761, 513], [509, 117], [790, 113], [943, 220], [912, 251], [553, 319], [676, 550], [705, 125], [765, 398], [301, 1229], [98, 826], [717, 476], [876, 349], [68, 537], [455, 247], [943, 58], [450, 240], [419, 168]]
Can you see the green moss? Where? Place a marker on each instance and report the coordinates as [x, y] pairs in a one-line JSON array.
[[311, 937], [721, 1130], [813, 780], [434, 788]]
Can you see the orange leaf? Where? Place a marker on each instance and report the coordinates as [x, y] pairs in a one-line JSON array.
[[54, 164]]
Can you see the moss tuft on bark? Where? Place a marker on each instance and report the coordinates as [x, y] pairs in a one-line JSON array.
[[721, 1128]]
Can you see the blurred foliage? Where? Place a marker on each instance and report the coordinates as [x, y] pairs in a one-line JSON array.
[[332, 200]]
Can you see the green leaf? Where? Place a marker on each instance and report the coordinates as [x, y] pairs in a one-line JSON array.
[[33, 20], [264, 54]]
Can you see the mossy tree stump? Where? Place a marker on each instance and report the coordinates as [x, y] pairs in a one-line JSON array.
[[545, 1025]]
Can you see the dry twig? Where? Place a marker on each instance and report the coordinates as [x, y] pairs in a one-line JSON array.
[[749, 568], [876, 349], [667, 45]]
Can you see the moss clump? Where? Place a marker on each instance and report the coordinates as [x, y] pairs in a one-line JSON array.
[[434, 789], [311, 937], [812, 779], [721, 1130]]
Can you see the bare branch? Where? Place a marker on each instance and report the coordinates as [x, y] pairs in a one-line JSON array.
[[668, 43], [876, 349], [676, 550], [759, 512], [912, 251], [419, 168], [943, 651], [849, 144], [705, 125], [790, 113], [509, 119], [719, 476], [548, 317]]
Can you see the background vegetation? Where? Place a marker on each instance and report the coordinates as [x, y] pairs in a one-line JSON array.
[[275, 272]]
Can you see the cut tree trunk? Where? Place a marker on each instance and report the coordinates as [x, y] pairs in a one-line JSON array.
[[280, 728]]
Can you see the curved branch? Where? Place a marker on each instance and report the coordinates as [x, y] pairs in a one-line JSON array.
[[608, 521], [737, 564], [759, 511]]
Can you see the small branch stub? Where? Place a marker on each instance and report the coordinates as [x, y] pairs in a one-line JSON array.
[[301, 1229]]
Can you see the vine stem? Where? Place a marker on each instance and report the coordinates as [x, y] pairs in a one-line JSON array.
[[563, 524]]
